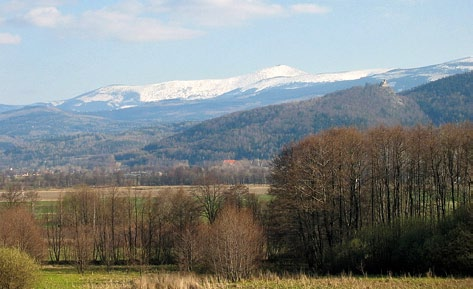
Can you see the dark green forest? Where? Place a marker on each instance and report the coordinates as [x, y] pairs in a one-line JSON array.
[[446, 100], [260, 133]]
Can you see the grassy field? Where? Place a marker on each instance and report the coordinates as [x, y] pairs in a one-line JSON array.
[[47, 198], [55, 194], [68, 278]]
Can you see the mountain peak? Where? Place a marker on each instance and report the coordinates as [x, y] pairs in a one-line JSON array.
[[279, 71], [281, 82]]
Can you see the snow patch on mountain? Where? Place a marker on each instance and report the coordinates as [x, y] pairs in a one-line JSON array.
[[432, 72], [277, 77], [210, 88]]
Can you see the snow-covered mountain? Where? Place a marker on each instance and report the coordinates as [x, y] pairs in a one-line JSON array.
[[272, 85], [122, 96]]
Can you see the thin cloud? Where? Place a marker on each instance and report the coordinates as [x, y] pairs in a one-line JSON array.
[[47, 17], [309, 9], [152, 20], [219, 12], [125, 27], [9, 39], [14, 6]]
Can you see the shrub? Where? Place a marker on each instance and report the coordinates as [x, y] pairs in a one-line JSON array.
[[17, 269], [19, 229], [235, 246], [451, 248]]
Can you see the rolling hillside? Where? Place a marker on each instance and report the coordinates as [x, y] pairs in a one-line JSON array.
[[447, 100], [39, 137], [260, 133]]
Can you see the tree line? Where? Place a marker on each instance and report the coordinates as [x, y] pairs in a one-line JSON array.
[[387, 199], [347, 199], [162, 174], [213, 228]]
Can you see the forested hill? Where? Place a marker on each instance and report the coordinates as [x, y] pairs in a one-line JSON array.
[[46, 137], [260, 133], [446, 100]]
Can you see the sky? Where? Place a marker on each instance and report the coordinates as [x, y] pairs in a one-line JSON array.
[[58, 49]]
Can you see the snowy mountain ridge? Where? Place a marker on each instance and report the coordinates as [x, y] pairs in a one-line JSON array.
[[209, 88], [277, 79]]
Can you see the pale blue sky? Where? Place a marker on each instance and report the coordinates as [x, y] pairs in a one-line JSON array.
[[58, 49]]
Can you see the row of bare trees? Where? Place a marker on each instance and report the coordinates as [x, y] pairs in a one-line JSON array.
[[180, 173], [213, 227], [330, 186]]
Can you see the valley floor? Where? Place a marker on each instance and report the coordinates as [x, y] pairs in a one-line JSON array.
[[56, 194]]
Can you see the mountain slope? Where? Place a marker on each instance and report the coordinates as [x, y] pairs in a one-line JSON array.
[[447, 100], [48, 121], [48, 137], [261, 132], [198, 100], [4, 107], [121, 96], [404, 79]]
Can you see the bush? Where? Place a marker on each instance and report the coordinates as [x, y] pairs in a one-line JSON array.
[[17, 269], [413, 247], [451, 248], [235, 246], [19, 229]]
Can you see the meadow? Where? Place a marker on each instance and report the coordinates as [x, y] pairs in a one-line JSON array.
[[54, 194], [123, 277]]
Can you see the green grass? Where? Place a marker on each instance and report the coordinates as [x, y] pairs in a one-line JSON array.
[[43, 207], [66, 277]]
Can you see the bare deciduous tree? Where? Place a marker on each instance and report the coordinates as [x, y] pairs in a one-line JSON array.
[[19, 229], [13, 195], [235, 244], [185, 219], [329, 186], [81, 206], [210, 195], [55, 223]]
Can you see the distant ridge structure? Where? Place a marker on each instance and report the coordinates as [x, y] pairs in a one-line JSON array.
[[384, 83]]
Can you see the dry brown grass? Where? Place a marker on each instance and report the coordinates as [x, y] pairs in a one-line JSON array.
[[273, 281], [55, 194], [349, 282], [164, 281]]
